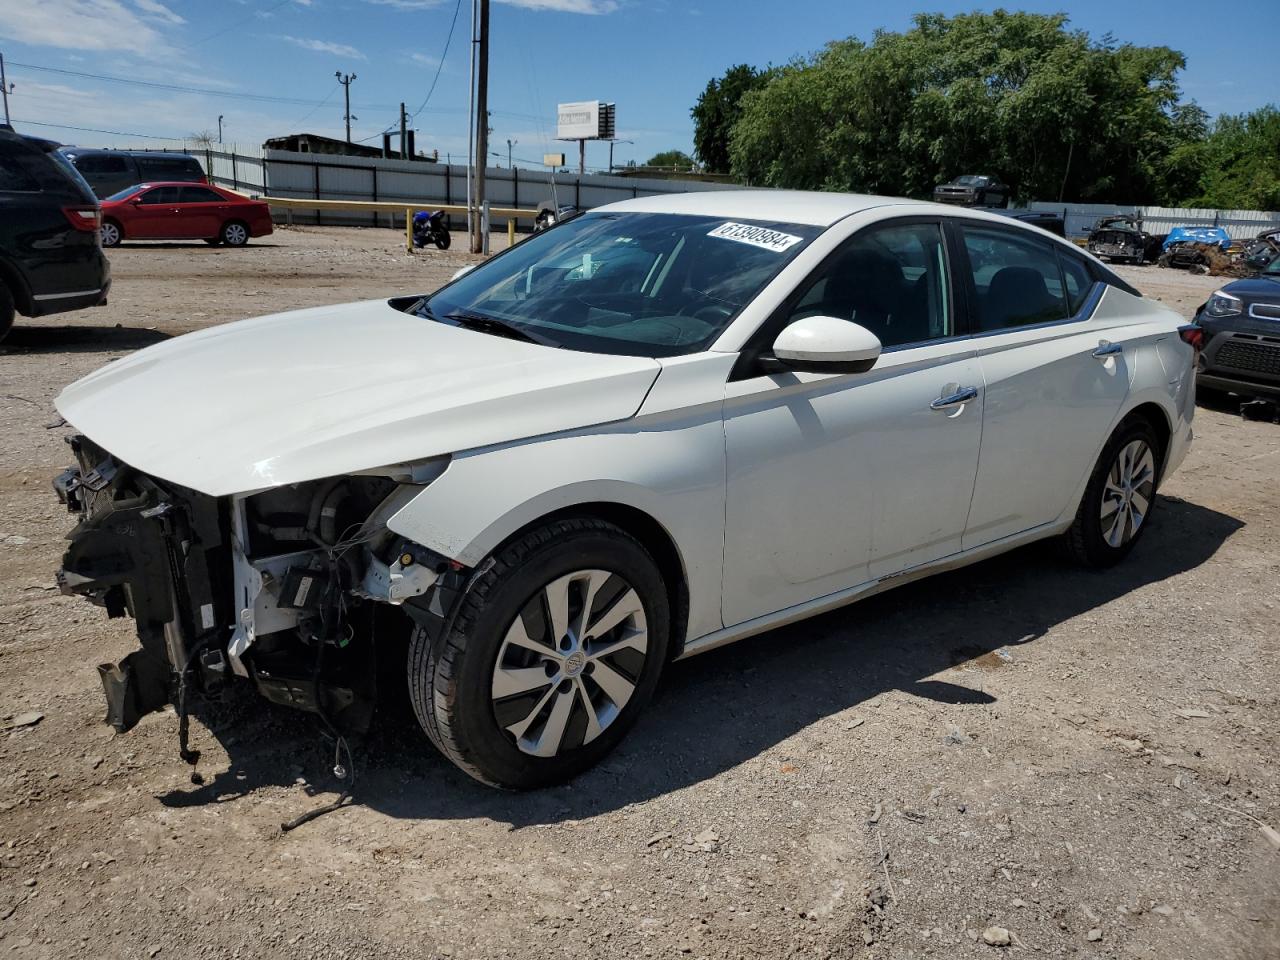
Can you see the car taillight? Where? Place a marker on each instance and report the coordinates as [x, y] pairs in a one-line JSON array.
[[1193, 336], [87, 219]]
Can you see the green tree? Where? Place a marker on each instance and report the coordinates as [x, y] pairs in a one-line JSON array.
[[1049, 110], [671, 158], [718, 109], [1240, 163]]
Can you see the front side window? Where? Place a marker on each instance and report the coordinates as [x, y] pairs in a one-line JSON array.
[[890, 279], [635, 284], [160, 195], [1017, 280]]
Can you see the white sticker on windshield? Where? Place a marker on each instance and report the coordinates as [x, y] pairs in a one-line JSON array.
[[756, 236]]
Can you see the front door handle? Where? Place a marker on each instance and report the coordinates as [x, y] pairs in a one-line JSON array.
[[962, 395], [1106, 349]]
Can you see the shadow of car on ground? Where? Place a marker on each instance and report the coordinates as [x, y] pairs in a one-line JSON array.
[[78, 338], [722, 708]]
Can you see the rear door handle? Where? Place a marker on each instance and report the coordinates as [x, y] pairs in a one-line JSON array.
[[1105, 349], [963, 395]]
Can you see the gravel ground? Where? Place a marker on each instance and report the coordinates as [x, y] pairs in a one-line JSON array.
[[1075, 758]]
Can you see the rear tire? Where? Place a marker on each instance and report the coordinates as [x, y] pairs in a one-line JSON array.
[[6, 310], [443, 239], [234, 234], [518, 692], [111, 233], [1117, 503]]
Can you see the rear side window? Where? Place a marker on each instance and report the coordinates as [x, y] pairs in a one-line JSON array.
[[199, 195], [1018, 280], [101, 163], [14, 177], [1076, 279], [169, 168], [890, 279]]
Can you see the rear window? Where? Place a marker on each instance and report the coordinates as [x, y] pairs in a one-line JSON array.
[[170, 168], [14, 177], [65, 167]]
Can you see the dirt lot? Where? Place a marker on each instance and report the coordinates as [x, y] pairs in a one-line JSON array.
[[1074, 757]]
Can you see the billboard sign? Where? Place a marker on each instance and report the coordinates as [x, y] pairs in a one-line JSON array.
[[585, 120]]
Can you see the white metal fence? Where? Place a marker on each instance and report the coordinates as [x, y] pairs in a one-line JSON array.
[[1239, 224], [323, 177]]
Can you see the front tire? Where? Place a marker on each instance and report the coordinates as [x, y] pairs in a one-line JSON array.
[[111, 233], [443, 239], [234, 234], [556, 647], [1116, 506]]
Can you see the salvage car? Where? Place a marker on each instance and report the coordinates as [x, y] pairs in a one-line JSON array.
[[1241, 324], [1194, 247], [183, 211], [1123, 238], [973, 190], [657, 428]]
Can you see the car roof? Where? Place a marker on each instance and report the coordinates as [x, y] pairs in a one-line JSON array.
[[174, 183], [782, 206], [142, 154]]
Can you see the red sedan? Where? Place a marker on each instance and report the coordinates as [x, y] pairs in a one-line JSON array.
[[183, 211]]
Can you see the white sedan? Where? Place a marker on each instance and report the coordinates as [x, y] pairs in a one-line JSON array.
[[657, 428]]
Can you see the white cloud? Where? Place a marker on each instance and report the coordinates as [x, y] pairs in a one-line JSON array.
[[426, 58], [325, 46], [78, 25], [592, 7], [154, 9], [408, 4]]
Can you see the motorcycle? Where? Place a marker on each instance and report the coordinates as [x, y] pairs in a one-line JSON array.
[[430, 227]]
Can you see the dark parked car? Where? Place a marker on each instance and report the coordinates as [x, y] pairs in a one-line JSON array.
[[1051, 222], [110, 171], [973, 190], [1123, 238], [51, 260], [1241, 324]]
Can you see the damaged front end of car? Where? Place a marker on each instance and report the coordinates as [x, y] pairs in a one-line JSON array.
[[284, 588]]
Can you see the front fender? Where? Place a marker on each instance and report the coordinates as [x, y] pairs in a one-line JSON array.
[[670, 467]]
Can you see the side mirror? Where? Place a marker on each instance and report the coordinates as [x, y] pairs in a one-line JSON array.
[[827, 345], [462, 270]]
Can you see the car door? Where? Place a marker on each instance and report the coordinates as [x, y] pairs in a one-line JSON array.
[[154, 214], [833, 480], [201, 212], [1054, 385]]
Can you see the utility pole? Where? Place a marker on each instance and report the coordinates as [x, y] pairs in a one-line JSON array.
[[346, 89], [219, 128], [480, 241], [4, 86], [611, 143], [471, 128], [404, 142], [510, 144]]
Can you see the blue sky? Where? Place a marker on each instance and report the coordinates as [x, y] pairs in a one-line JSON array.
[[652, 57]]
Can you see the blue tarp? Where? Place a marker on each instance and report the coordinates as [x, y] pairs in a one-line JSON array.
[[1214, 235]]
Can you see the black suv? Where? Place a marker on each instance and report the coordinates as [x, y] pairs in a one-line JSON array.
[[110, 171], [51, 260], [1241, 324]]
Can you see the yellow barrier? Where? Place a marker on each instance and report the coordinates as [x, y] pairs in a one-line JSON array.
[[386, 206]]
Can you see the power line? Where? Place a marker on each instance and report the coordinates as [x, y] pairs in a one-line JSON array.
[[114, 133], [166, 86], [236, 23]]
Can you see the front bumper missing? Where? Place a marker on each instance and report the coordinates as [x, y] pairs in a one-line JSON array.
[[146, 551]]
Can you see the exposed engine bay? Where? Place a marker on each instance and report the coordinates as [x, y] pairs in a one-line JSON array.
[[285, 588]]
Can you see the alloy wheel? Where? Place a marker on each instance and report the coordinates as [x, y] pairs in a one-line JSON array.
[[570, 662], [1127, 493]]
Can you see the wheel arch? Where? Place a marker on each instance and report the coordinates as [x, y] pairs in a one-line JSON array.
[[1159, 420], [17, 287], [652, 535]]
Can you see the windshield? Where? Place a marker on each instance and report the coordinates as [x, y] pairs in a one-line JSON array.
[[970, 180], [127, 192], [636, 284]]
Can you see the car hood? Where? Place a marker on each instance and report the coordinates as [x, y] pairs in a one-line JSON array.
[[1256, 288], [326, 391]]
